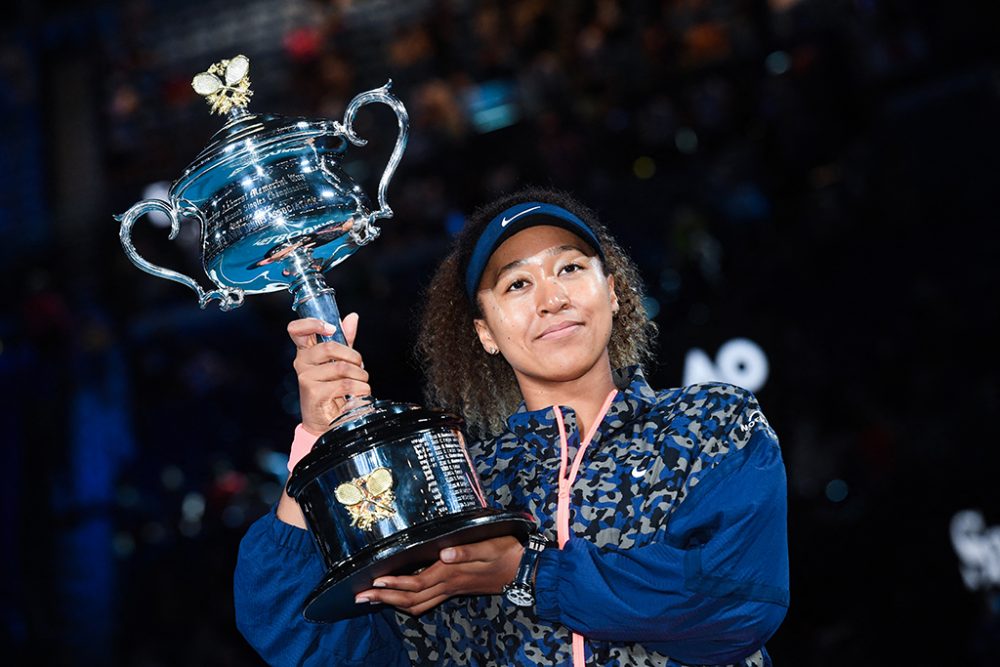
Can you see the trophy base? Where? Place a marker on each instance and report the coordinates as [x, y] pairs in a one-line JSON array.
[[382, 492], [404, 552]]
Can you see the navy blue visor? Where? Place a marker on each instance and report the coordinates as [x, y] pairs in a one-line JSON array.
[[514, 219]]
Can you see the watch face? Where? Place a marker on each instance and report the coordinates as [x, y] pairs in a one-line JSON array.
[[520, 596]]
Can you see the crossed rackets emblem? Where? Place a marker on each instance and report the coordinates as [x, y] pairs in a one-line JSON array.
[[368, 498]]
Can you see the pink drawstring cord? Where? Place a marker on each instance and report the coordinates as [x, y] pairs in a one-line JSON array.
[[566, 484]]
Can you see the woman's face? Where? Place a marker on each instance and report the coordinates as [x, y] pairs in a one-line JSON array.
[[547, 305]]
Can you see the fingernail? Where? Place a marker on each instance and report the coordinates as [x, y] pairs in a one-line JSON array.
[[448, 555], [378, 583], [329, 328], [360, 599]]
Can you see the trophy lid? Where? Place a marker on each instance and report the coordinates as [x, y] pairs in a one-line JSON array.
[[246, 137]]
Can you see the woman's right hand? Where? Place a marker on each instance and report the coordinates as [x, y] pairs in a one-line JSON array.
[[328, 372]]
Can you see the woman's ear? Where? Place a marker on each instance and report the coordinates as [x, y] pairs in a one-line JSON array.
[[486, 336]]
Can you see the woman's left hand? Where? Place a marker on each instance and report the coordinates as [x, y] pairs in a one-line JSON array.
[[478, 568]]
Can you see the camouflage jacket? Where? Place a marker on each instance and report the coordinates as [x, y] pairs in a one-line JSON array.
[[678, 552]]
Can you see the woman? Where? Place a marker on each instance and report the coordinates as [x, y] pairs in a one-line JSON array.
[[661, 513]]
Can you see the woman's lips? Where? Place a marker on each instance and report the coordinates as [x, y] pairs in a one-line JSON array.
[[560, 330]]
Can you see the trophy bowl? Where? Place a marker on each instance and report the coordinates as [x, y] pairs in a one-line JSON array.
[[390, 484], [271, 194]]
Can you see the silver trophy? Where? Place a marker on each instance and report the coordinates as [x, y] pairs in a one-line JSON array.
[[390, 484]]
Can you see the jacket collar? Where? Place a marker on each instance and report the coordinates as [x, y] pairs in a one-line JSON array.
[[635, 397]]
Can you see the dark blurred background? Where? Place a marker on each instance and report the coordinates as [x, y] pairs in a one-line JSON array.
[[808, 187]]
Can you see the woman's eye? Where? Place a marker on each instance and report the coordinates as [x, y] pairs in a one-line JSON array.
[[516, 285], [571, 267]]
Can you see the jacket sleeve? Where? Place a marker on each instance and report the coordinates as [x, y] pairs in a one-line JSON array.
[[711, 592], [276, 569]]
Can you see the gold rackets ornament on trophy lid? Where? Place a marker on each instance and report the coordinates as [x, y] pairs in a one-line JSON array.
[[225, 85]]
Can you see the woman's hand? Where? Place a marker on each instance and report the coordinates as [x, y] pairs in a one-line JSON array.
[[478, 568], [328, 372]]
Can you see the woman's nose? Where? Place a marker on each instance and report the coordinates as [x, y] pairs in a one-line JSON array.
[[552, 296]]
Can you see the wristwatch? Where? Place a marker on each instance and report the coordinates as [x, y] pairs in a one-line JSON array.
[[521, 591]]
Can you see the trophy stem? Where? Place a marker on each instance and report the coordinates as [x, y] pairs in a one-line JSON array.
[[314, 298]]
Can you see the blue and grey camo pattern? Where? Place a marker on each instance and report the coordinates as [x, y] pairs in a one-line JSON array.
[[673, 437]]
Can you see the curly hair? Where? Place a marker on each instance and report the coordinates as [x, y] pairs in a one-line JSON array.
[[461, 376]]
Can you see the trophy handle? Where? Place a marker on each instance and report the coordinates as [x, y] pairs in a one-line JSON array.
[[385, 97], [228, 298]]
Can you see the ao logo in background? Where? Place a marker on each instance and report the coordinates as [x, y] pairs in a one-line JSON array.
[[978, 549], [739, 361]]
